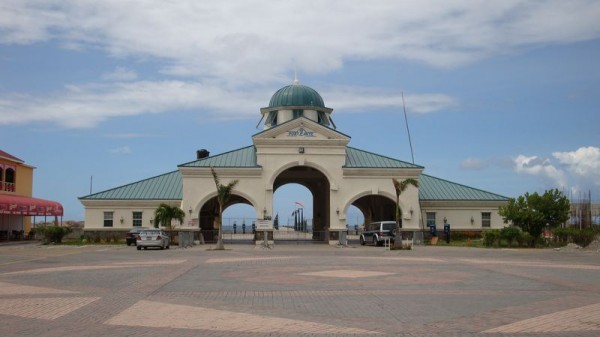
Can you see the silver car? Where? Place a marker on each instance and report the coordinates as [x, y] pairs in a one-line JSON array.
[[152, 238]]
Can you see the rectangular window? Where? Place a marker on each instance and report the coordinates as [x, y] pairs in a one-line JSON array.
[[430, 218], [322, 118], [297, 113], [486, 219], [272, 118], [108, 219], [137, 219]]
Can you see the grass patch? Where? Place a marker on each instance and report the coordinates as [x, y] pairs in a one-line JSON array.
[[477, 243]]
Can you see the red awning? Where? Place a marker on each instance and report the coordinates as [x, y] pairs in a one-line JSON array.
[[14, 204]]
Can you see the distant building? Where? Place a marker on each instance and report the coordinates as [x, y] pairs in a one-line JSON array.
[[299, 144], [17, 206], [584, 214]]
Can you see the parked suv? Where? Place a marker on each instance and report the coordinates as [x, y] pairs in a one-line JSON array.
[[378, 232], [131, 236]]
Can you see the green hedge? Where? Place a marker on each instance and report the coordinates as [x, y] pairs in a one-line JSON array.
[[463, 235], [507, 237], [53, 233], [511, 235], [491, 238], [582, 237]]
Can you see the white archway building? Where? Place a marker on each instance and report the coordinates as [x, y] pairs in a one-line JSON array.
[[299, 144]]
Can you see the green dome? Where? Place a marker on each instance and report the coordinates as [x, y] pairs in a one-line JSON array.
[[296, 95]]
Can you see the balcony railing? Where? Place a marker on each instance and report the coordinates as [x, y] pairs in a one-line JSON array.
[[9, 187]]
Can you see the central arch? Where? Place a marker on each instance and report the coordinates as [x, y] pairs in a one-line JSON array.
[[318, 185]]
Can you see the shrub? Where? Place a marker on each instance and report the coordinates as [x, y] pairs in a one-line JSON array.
[[582, 237], [464, 235], [53, 233], [491, 238], [524, 239], [563, 235], [510, 234]]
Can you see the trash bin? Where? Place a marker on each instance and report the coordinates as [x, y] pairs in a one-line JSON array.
[[186, 239], [343, 238]]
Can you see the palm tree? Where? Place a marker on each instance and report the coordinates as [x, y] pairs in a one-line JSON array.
[[165, 214], [223, 195], [400, 187]]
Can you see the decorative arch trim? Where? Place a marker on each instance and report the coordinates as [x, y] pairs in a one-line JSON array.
[[289, 165], [390, 196], [211, 195]]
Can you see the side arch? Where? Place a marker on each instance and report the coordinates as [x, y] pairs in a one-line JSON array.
[[375, 207], [250, 200], [208, 211]]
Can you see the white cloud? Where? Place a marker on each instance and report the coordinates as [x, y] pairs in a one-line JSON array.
[[84, 106], [577, 171], [233, 40], [345, 98], [120, 74], [121, 150], [227, 52], [88, 105], [542, 168], [474, 164], [127, 135], [583, 162]]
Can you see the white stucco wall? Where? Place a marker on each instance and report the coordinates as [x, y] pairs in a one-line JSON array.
[[459, 213], [94, 212]]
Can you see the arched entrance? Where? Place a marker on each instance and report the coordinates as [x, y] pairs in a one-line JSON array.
[[373, 208], [208, 220], [318, 185], [376, 208]]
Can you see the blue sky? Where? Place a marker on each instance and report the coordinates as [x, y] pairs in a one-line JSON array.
[[501, 95]]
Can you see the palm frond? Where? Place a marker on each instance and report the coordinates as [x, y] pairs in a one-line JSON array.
[[410, 181], [397, 186], [215, 177]]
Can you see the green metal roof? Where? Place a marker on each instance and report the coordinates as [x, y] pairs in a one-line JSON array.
[[244, 157], [436, 189], [167, 186], [296, 95], [356, 158]]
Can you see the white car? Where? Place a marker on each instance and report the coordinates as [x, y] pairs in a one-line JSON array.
[[152, 238], [378, 232]]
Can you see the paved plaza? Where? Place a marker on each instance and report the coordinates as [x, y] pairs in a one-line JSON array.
[[297, 290]]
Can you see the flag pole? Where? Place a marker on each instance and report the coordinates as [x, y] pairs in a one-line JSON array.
[[407, 129]]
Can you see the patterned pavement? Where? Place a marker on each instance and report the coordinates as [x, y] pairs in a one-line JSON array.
[[297, 290]]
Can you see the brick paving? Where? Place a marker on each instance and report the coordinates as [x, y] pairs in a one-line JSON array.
[[297, 290]]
